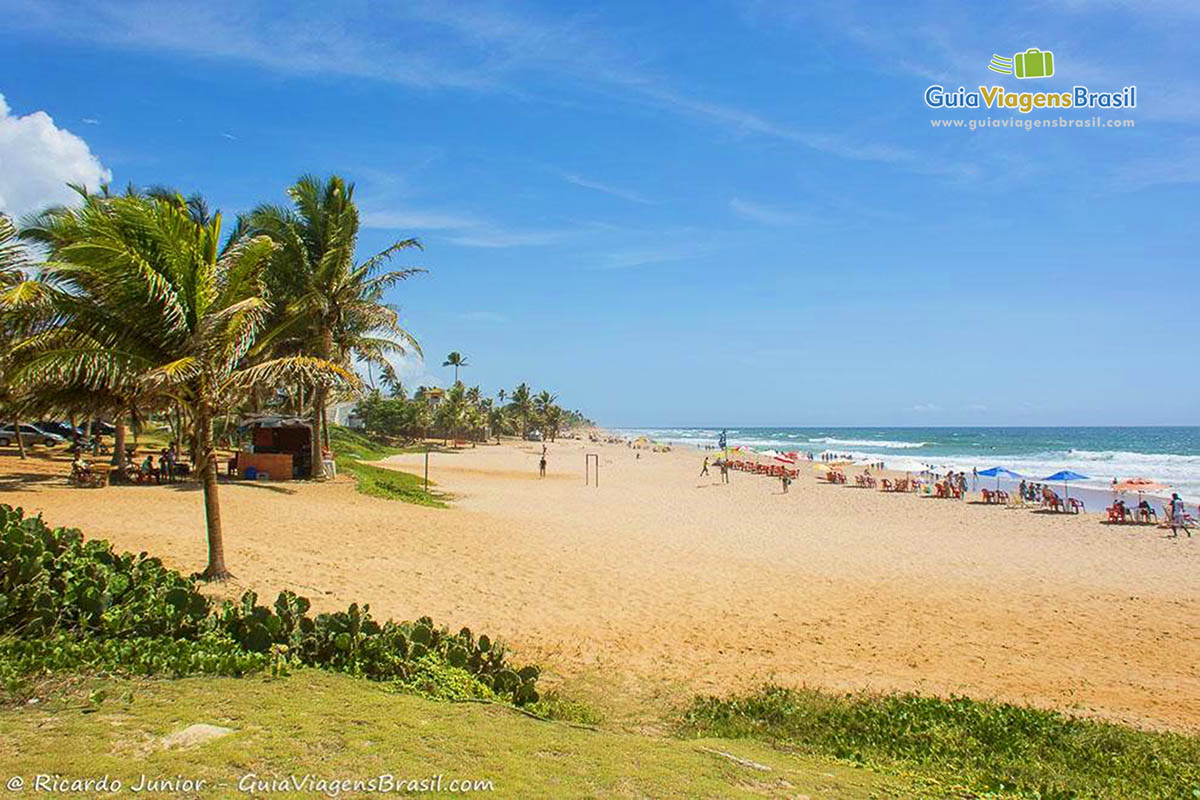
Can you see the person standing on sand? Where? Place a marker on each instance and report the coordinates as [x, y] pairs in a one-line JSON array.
[[787, 481], [724, 471], [1177, 518], [542, 466], [704, 469]]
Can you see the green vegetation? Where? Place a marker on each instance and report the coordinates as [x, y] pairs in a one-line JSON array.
[[335, 726], [461, 412], [352, 449], [69, 604], [967, 746]]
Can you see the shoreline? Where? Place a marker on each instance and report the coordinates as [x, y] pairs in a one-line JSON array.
[[912, 456]]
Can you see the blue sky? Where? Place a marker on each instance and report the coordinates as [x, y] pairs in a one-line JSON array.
[[711, 213]]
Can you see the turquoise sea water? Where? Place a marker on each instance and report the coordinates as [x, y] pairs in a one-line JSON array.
[[1168, 455]]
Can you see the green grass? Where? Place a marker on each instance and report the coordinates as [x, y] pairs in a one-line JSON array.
[[979, 747], [351, 449], [335, 726]]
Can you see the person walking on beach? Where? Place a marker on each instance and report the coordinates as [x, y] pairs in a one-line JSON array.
[[704, 469], [787, 481], [542, 466], [724, 471], [1177, 518], [974, 478]]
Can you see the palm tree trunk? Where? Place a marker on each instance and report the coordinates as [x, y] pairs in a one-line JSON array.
[[325, 426], [315, 470], [118, 456], [20, 441], [207, 463], [319, 399]]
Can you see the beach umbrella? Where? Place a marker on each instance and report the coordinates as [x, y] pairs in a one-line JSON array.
[[1140, 485], [1065, 476], [997, 473]]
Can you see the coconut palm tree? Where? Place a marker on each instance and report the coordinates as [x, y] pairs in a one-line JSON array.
[[552, 420], [455, 360], [326, 304], [146, 299], [14, 261], [522, 407]]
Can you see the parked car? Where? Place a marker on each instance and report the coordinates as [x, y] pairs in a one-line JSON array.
[[102, 428], [62, 429], [30, 436]]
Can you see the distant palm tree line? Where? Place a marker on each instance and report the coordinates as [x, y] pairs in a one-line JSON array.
[[463, 413]]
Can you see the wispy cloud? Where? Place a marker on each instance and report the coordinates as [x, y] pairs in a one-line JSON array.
[[1179, 167], [501, 237], [90, 121], [767, 215], [604, 188], [490, 50], [482, 316], [633, 257], [461, 229], [419, 220]]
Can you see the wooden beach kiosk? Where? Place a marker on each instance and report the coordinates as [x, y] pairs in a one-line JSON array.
[[280, 449]]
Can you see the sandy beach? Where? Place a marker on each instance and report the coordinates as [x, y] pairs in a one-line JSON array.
[[659, 584]]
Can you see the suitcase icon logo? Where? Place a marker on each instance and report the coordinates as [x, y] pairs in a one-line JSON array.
[[1033, 63]]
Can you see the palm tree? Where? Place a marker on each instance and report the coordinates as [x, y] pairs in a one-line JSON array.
[[327, 304], [146, 299], [14, 260], [521, 405], [497, 420], [452, 411], [542, 403], [552, 418], [455, 360]]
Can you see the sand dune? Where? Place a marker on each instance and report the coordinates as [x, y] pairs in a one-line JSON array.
[[660, 584]]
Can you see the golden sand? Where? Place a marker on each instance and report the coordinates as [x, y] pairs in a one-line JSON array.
[[658, 584]]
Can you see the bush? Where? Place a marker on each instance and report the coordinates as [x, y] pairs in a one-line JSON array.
[[979, 746], [66, 603]]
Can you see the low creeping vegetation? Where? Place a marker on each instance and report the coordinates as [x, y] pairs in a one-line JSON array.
[[67, 604], [971, 747], [352, 449]]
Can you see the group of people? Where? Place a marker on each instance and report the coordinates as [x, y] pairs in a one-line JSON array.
[[723, 465], [164, 471]]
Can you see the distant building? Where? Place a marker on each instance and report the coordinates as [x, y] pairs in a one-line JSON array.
[[343, 414]]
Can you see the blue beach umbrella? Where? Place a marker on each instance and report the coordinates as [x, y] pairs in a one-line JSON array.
[[998, 473], [1065, 475]]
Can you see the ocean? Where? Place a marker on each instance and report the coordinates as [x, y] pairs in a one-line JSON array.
[[1169, 455]]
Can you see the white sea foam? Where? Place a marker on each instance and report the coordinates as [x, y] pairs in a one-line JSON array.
[[869, 443], [1180, 472]]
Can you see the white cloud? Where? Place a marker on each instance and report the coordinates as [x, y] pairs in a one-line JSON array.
[[410, 369], [487, 49], [756, 212], [417, 220], [38, 159], [624, 194], [482, 316], [460, 229]]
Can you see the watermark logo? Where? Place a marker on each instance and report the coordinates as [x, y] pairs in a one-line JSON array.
[[1033, 63]]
